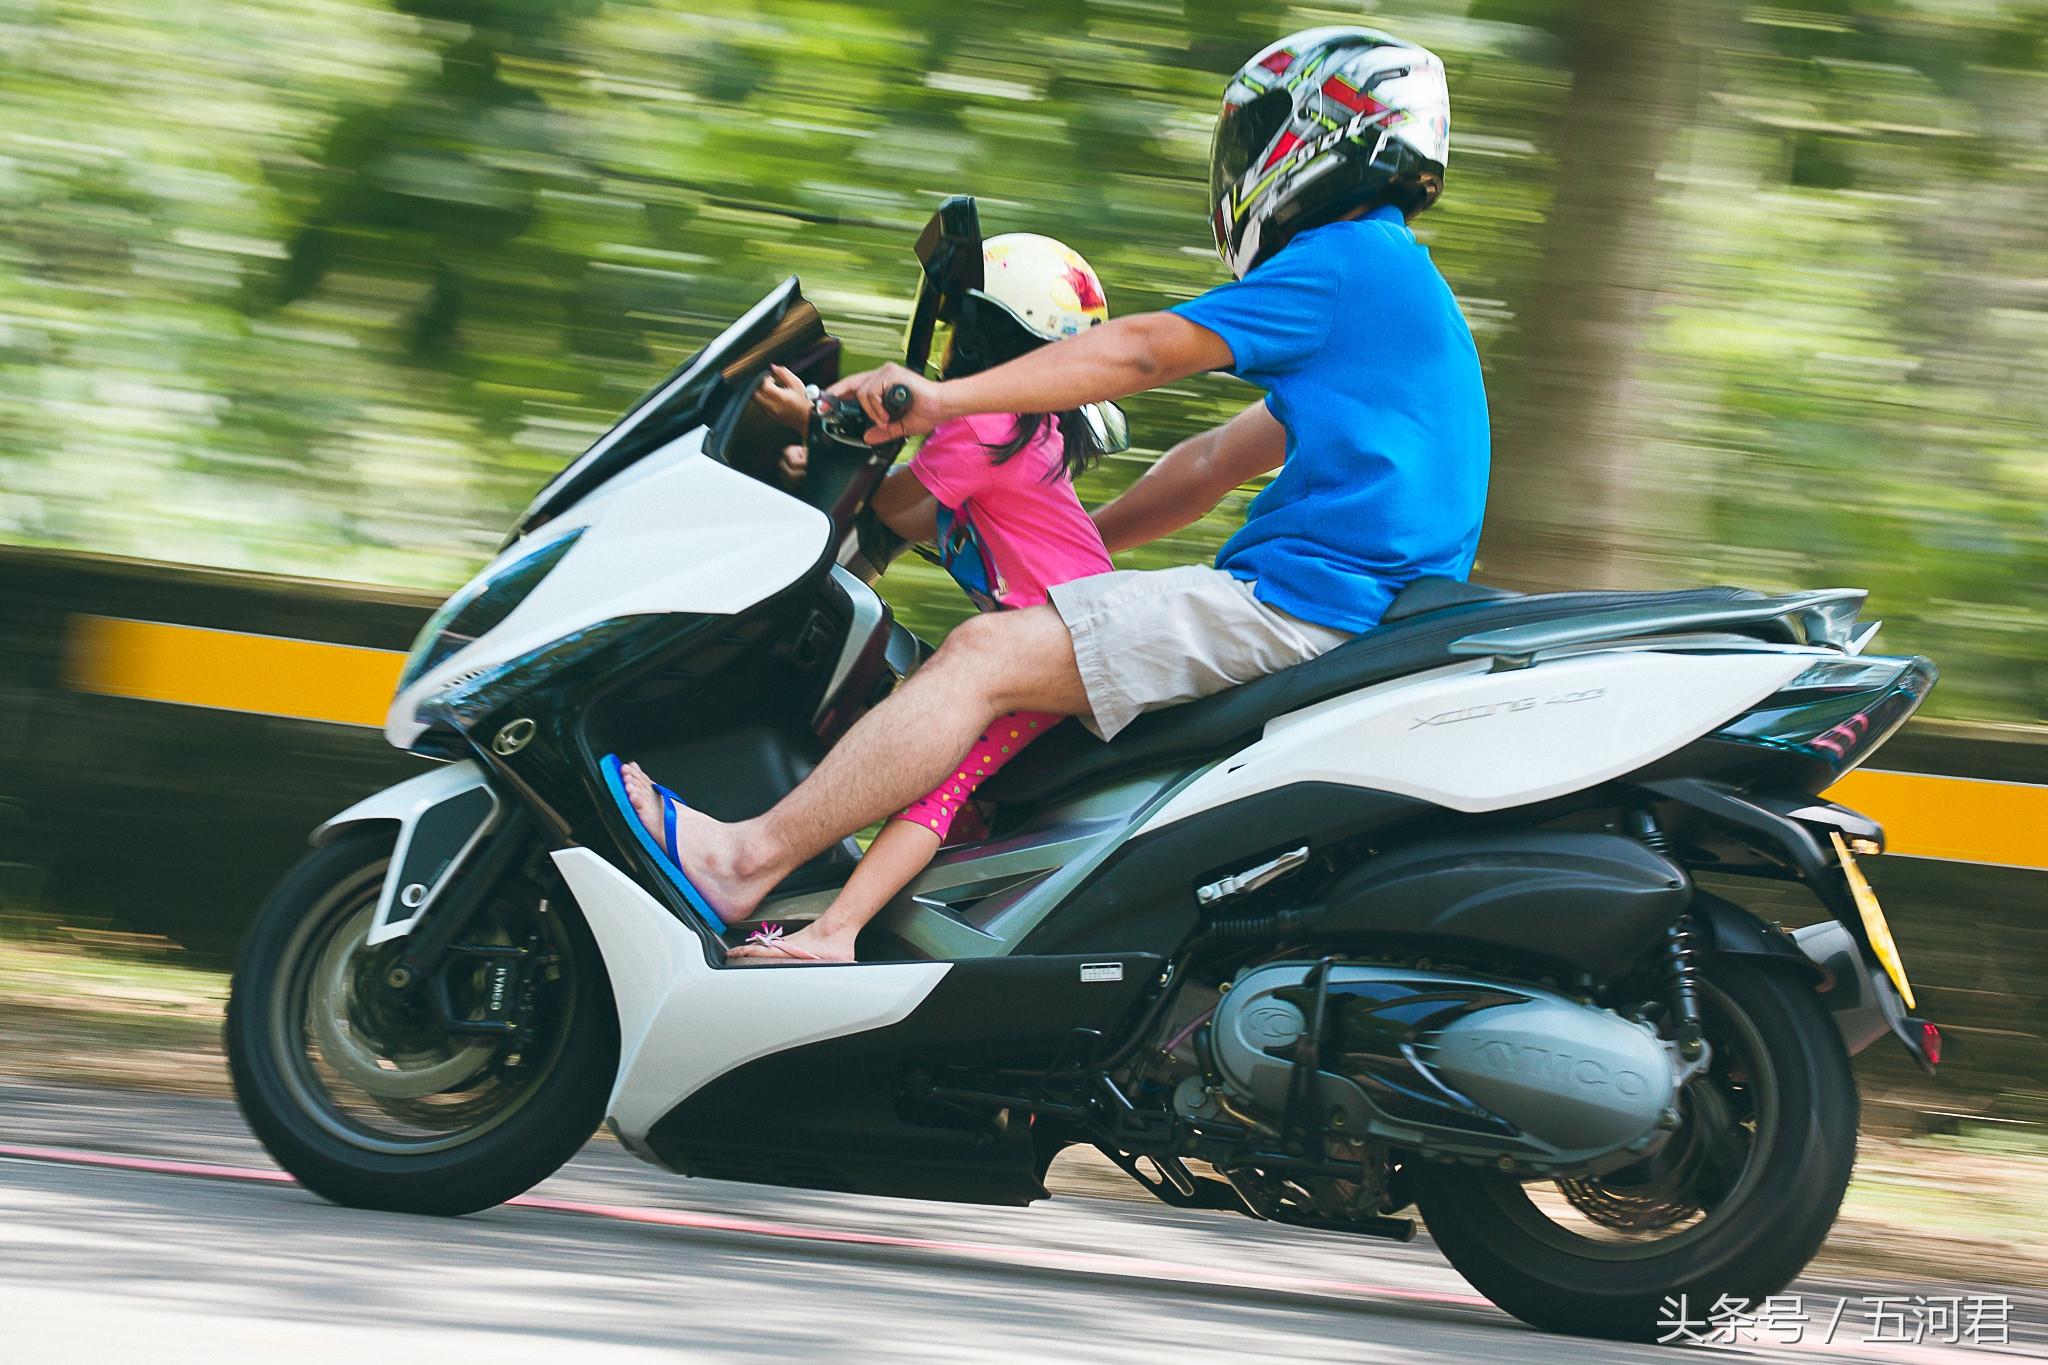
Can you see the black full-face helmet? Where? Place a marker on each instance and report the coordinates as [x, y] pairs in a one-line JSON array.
[[1316, 125]]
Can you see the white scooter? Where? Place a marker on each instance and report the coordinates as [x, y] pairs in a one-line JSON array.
[[1413, 925]]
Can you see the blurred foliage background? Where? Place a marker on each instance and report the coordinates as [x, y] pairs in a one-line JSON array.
[[331, 287]]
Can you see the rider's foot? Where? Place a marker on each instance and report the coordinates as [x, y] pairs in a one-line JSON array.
[[812, 943], [712, 854]]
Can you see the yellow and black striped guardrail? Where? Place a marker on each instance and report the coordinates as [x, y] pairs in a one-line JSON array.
[[230, 670]]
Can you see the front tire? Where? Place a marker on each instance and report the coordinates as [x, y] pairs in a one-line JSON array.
[[1775, 1133], [367, 1098]]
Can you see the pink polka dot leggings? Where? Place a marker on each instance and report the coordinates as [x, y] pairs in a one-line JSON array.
[[1004, 739]]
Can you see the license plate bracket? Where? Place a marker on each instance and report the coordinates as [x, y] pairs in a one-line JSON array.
[[1875, 927]]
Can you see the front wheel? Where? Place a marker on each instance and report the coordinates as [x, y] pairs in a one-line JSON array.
[[1734, 1205], [367, 1094]]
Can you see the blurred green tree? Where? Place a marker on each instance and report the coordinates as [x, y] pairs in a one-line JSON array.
[[329, 289], [1569, 505]]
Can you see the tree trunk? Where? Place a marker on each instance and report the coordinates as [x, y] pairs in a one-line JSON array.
[[1568, 506]]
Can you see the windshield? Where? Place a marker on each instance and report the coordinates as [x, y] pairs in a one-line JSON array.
[[700, 391], [672, 407]]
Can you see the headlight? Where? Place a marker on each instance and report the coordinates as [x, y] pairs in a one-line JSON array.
[[481, 607]]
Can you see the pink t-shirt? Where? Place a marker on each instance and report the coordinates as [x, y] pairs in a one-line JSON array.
[[1016, 528]]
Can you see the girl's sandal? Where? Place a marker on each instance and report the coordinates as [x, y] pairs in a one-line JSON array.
[[769, 936]]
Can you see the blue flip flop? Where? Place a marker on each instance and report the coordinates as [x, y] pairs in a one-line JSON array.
[[664, 852]]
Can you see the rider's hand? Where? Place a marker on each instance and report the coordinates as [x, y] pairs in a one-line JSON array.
[[868, 389], [795, 463], [782, 397]]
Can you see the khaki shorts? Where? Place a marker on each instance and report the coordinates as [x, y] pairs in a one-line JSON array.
[[1145, 639]]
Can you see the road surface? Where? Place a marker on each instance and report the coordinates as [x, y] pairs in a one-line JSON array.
[[153, 1228]]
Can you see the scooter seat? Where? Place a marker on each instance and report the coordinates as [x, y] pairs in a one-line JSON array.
[[1413, 635]]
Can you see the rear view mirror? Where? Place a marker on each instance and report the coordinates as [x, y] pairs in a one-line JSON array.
[[1108, 425], [949, 250]]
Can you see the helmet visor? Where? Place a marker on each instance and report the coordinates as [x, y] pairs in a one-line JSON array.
[[1243, 132]]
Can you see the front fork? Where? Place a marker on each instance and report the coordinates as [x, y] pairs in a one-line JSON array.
[[418, 980]]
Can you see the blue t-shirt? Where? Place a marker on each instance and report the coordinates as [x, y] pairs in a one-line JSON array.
[[1368, 363]]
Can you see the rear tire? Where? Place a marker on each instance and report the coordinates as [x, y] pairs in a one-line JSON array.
[[1774, 1216], [438, 1123]]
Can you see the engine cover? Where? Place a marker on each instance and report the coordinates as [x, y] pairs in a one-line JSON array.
[[1451, 1065]]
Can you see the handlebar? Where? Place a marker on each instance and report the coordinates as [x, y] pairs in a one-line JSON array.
[[846, 421]]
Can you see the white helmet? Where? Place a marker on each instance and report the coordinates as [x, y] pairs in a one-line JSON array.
[[1044, 283], [1034, 290], [1316, 125]]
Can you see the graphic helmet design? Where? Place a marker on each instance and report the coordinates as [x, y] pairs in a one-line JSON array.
[[1034, 290], [1044, 283], [1314, 126]]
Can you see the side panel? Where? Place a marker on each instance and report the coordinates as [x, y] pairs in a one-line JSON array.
[[848, 1113], [427, 846], [1480, 740], [684, 1023]]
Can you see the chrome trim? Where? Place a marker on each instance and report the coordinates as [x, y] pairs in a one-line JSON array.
[[1252, 878], [1032, 875]]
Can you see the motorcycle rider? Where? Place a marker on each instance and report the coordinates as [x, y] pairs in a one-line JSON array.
[[1329, 142]]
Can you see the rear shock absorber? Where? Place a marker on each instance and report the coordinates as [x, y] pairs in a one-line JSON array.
[[1648, 832], [1682, 966], [1681, 963]]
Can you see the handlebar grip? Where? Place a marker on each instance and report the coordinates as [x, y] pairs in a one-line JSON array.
[[844, 420]]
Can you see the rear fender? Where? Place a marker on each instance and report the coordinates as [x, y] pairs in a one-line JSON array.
[[1865, 1004], [439, 818]]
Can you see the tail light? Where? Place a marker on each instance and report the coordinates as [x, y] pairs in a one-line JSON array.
[[1837, 712]]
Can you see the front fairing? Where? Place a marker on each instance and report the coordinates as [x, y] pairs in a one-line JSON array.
[[677, 509], [676, 533]]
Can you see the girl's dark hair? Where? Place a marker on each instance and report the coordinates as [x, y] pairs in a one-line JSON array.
[[1079, 452]]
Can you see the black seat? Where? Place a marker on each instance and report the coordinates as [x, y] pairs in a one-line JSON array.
[[1425, 617]]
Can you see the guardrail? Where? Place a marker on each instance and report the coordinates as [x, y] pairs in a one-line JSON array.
[[168, 735]]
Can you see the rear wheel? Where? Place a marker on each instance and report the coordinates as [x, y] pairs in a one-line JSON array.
[[365, 1093], [1734, 1205]]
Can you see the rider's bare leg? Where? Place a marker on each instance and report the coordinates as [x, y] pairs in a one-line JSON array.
[[1004, 661]]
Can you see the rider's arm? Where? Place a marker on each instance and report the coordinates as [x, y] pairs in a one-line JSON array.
[[1192, 477], [906, 508], [1117, 359]]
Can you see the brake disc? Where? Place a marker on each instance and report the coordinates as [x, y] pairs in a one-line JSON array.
[[357, 1055]]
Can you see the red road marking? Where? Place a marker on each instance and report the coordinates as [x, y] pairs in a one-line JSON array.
[[1084, 1262]]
